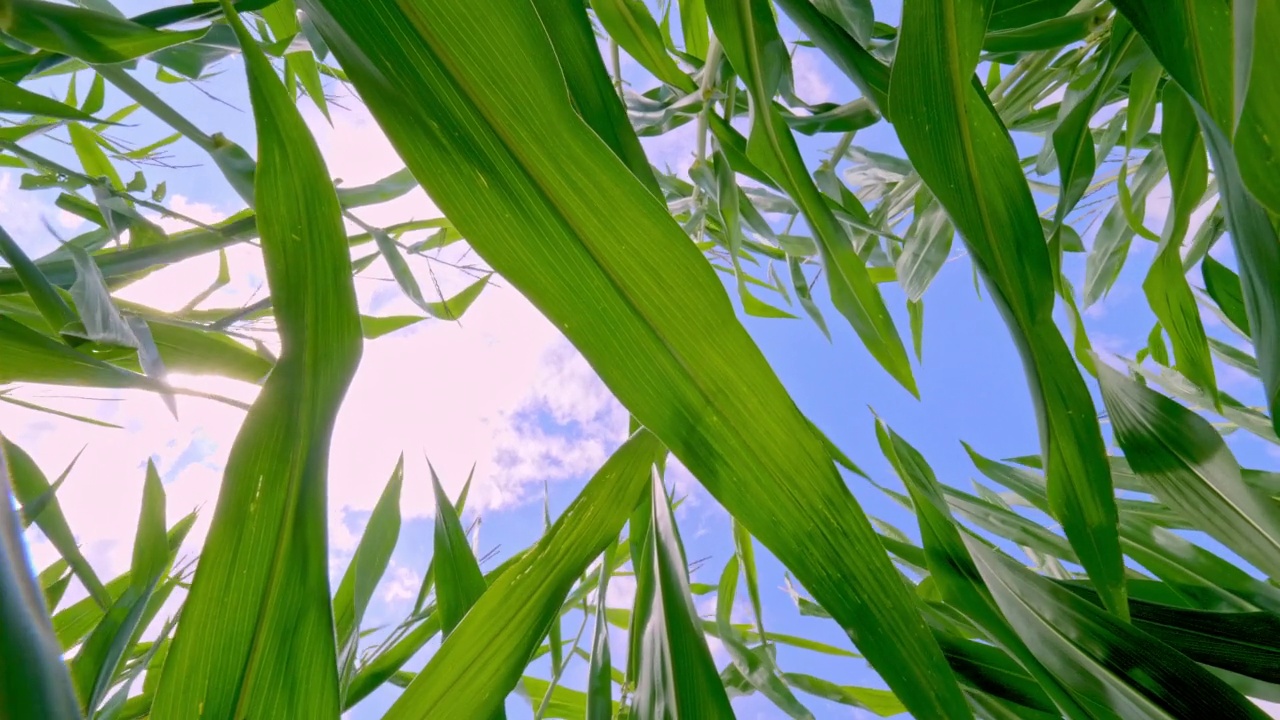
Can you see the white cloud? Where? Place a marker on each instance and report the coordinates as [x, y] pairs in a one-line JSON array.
[[809, 69]]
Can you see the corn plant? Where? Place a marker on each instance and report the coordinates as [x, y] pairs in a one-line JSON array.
[[1073, 592]]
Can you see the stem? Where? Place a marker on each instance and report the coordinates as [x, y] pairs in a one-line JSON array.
[[706, 89], [615, 62]]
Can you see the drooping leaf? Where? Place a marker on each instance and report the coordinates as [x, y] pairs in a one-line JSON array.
[[957, 143], [755, 48], [1166, 287], [91, 36], [256, 636], [1185, 463], [1144, 677], [629, 23]]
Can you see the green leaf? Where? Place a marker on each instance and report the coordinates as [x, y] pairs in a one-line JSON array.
[[957, 143], [880, 702], [369, 563], [1195, 45], [925, 246], [1257, 134], [953, 569], [855, 16], [1186, 464], [1166, 287], [677, 677], [752, 44], [599, 674], [693, 23], [256, 636], [34, 682], [1111, 242], [510, 619], [1223, 286], [629, 23], [628, 289], [20, 101], [756, 667], [90, 36], [93, 671], [55, 310], [29, 484], [93, 159], [1144, 678], [459, 582]]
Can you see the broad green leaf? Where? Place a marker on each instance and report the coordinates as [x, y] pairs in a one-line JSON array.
[[1241, 642], [28, 485], [677, 677], [849, 56], [752, 44], [94, 668], [590, 87], [1166, 287], [629, 23], [256, 637], [33, 680], [33, 357], [955, 140], [855, 16], [1142, 677], [1073, 142], [1046, 34], [510, 619], [1006, 14], [372, 555], [90, 36], [628, 289], [1186, 464]]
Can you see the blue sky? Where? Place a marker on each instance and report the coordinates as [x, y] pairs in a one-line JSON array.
[[505, 392]]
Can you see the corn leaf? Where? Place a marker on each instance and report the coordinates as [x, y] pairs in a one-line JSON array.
[[957, 143], [256, 636], [33, 680], [628, 289], [677, 677], [752, 44], [510, 619]]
